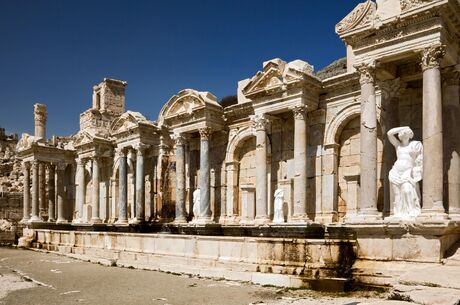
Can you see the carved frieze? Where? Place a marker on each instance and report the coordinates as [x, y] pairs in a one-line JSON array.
[[407, 5]]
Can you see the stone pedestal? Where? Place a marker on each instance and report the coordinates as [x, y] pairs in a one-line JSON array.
[[353, 192], [248, 207], [433, 208]]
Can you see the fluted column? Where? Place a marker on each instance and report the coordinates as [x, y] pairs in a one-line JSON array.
[[368, 159], [260, 125], [61, 199], [180, 179], [300, 163], [205, 204], [451, 119], [81, 189], [95, 195], [51, 193], [26, 186], [122, 188], [35, 205], [140, 183], [432, 134]]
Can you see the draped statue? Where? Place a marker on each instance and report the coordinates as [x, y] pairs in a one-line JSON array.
[[278, 216], [196, 203], [406, 173]]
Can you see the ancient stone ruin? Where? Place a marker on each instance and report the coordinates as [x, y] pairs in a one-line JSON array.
[[197, 189]]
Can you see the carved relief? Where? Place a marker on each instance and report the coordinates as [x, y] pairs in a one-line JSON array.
[[362, 15], [407, 5]]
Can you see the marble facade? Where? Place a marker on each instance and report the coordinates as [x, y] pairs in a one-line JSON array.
[[317, 137]]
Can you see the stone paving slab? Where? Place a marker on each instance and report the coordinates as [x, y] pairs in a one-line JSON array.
[[438, 276]]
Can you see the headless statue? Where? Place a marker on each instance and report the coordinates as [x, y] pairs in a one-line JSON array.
[[278, 216], [406, 173]]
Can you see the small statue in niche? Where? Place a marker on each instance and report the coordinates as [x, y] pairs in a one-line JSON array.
[[406, 173], [196, 203], [278, 216]]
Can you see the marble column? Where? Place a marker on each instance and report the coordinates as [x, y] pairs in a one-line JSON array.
[[35, 204], [205, 179], [180, 216], [95, 194], [61, 198], [232, 191], [122, 188], [433, 179], [260, 125], [300, 164], [140, 184], [42, 188], [26, 186], [368, 143], [51, 193], [81, 189], [451, 120]]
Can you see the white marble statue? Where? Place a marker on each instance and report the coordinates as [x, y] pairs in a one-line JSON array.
[[196, 203], [406, 173], [278, 216]]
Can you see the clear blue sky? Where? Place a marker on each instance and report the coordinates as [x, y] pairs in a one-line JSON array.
[[55, 51]]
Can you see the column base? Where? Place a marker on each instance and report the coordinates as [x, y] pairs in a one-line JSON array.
[[364, 217], [203, 220], [35, 219], [435, 215], [454, 215], [78, 221], [300, 219], [51, 220], [121, 222], [261, 220], [180, 220], [62, 221], [24, 221], [96, 220], [326, 218]]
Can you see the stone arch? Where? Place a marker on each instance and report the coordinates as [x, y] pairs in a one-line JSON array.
[[343, 117], [237, 139]]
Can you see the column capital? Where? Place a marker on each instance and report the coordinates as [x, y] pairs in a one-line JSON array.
[[141, 148], [432, 57], [179, 138], [392, 88], [366, 71], [26, 165], [121, 151], [300, 112], [205, 133], [35, 163], [260, 121], [61, 166], [81, 161], [50, 166]]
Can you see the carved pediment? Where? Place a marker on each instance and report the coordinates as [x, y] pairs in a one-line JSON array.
[[127, 121], [184, 106], [83, 138], [361, 16], [277, 73]]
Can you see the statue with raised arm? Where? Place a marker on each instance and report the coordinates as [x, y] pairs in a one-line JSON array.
[[406, 173]]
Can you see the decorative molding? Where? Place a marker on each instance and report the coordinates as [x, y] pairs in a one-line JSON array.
[[407, 5], [362, 15], [432, 57]]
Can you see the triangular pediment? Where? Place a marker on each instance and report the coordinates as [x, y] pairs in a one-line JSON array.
[[277, 73], [127, 121], [361, 16], [83, 138]]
